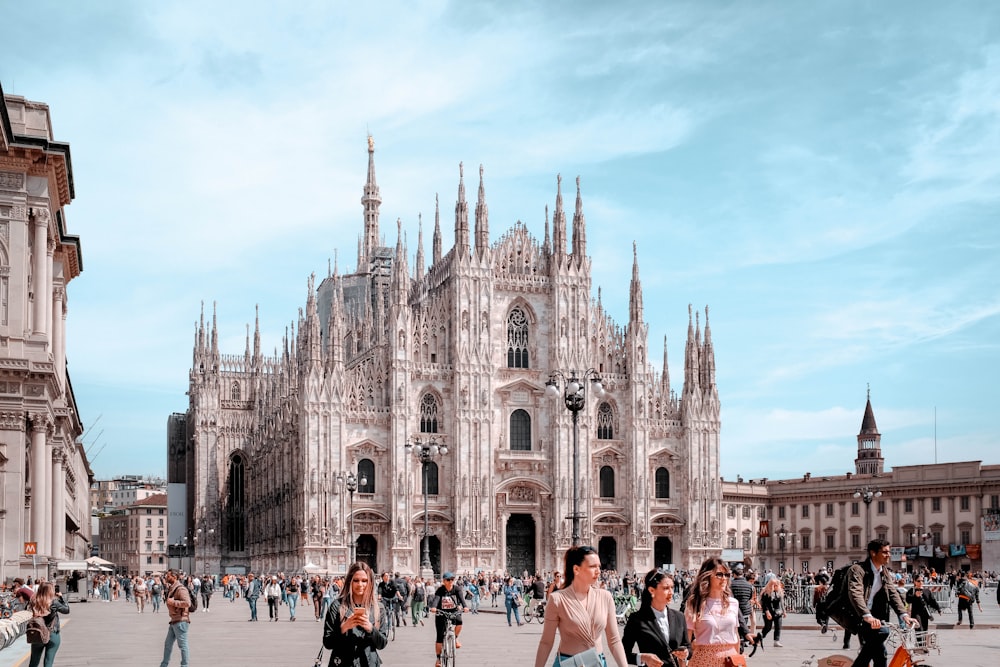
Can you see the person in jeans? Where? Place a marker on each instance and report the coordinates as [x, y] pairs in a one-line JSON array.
[[48, 605], [772, 602], [178, 603]]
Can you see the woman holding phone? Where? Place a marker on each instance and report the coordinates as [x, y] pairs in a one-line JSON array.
[[354, 629]]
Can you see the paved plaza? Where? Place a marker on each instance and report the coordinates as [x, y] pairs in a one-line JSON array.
[[113, 634]]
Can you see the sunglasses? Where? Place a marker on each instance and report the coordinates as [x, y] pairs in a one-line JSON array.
[[723, 575]]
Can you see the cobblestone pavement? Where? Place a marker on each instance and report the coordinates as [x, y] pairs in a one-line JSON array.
[[114, 634]]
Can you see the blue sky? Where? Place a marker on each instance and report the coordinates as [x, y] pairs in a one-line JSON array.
[[823, 176]]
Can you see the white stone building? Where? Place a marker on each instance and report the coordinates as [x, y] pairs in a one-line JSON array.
[[456, 352], [44, 474], [936, 514]]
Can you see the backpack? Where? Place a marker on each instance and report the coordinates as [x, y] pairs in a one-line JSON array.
[[37, 631], [193, 607], [836, 604]]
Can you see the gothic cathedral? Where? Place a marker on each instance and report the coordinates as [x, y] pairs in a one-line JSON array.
[[302, 458]]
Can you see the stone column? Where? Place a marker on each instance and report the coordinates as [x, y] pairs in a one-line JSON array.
[[39, 279], [50, 251], [58, 505], [49, 496], [39, 492], [59, 334]]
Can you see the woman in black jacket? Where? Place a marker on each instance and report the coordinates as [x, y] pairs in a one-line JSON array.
[[48, 605], [660, 632], [355, 628], [772, 604]]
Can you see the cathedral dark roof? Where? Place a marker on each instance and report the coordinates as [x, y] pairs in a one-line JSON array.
[[868, 426]]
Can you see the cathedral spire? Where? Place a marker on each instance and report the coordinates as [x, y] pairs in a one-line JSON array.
[[482, 219], [579, 229], [420, 247], [547, 244], [559, 223], [708, 356], [691, 366], [256, 335], [665, 376], [634, 290], [436, 239], [461, 217], [400, 286], [215, 333], [371, 202]]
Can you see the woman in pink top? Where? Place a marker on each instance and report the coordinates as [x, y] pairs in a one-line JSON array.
[[581, 613], [713, 616]]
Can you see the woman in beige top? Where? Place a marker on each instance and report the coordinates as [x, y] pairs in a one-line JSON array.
[[581, 613]]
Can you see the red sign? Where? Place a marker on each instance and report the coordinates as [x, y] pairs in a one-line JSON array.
[[30, 548], [765, 528]]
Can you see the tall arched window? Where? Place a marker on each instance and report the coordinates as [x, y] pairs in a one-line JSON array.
[[234, 392], [366, 471], [431, 480], [605, 422], [520, 431], [607, 482], [428, 414], [236, 504], [517, 339], [662, 483]]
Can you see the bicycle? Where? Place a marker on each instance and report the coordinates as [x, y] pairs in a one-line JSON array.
[[909, 645], [448, 648], [534, 612], [387, 612]]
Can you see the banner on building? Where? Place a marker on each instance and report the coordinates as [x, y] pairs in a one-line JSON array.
[[991, 524], [896, 554], [765, 528], [912, 552], [176, 513], [955, 550], [975, 551]]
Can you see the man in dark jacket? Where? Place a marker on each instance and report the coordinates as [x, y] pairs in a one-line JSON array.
[[743, 591], [871, 589], [967, 592]]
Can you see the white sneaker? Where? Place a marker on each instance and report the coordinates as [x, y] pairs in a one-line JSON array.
[[779, 644]]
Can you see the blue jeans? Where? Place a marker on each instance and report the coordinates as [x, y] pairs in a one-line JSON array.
[[293, 601], [872, 646], [253, 608], [178, 631], [50, 651], [509, 603]]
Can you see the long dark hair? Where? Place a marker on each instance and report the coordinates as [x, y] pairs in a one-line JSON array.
[[575, 556], [652, 580]]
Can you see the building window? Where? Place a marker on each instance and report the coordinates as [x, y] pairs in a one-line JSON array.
[[965, 537], [746, 511], [855, 541], [234, 392], [806, 539], [746, 541], [366, 472], [731, 511], [160, 522], [605, 422], [995, 502], [732, 540], [149, 560], [880, 534], [830, 539], [520, 431], [607, 482], [908, 505], [805, 511], [517, 339], [428, 414], [937, 536], [964, 504], [149, 546], [781, 512], [149, 523], [662, 483], [855, 509], [880, 507], [829, 509], [429, 485], [935, 504]]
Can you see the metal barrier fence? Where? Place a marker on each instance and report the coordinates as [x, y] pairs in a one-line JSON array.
[[799, 597], [12, 628]]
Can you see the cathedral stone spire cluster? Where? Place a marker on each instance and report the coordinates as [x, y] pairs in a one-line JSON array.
[[456, 353]]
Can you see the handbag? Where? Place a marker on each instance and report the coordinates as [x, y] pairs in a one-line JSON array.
[[588, 658], [735, 661], [319, 658]]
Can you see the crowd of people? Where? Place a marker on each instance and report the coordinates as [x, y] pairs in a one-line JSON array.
[[718, 616]]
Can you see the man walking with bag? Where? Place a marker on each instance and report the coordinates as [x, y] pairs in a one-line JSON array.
[[872, 592], [178, 602]]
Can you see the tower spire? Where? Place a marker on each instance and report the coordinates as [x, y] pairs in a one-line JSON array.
[[635, 290], [869, 460], [559, 223], [371, 200], [420, 246], [579, 229], [482, 219], [461, 216], [436, 239]]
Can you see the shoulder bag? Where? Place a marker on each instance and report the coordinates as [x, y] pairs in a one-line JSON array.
[[588, 658], [735, 661]]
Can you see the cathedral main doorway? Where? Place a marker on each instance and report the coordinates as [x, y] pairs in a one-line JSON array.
[[607, 550], [663, 551], [367, 551], [520, 544]]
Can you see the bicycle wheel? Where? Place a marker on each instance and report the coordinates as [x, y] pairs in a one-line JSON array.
[[448, 651]]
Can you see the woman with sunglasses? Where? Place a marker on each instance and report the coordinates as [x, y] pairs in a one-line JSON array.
[[581, 612], [713, 616], [660, 632]]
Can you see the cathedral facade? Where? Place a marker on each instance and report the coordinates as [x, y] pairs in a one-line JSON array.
[[455, 353]]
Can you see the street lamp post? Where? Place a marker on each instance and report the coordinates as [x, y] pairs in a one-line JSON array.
[[867, 495], [782, 536], [425, 453], [350, 482], [574, 392]]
